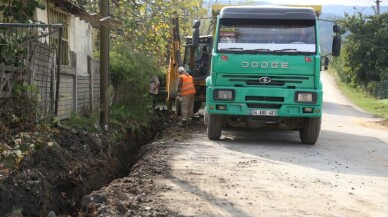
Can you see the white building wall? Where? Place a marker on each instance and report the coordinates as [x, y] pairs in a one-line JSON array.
[[80, 42], [41, 15], [80, 39]]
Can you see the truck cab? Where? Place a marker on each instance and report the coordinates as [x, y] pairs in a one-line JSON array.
[[266, 71]]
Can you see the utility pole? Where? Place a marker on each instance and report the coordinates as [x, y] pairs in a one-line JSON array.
[[378, 7], [104, 66]]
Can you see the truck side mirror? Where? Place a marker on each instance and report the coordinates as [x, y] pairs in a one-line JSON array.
[[336, 28], [195, 39], [196, 24], [326, 64], [336, 48]]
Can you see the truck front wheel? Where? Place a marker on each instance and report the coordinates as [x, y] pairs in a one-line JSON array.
[[214, 126], [309, 132]]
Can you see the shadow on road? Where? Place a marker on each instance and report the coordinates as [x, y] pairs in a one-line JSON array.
[[343, 110]]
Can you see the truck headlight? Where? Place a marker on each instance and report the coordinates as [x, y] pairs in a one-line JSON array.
[[305, 97], [223, 95]]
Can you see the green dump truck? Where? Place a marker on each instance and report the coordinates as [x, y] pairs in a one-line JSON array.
[[265, 71]]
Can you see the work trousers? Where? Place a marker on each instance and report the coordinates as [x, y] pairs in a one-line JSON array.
[[187, 107]]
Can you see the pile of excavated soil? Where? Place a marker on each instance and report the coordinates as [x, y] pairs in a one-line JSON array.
[[73, 164], [383, 123], [56, 177]]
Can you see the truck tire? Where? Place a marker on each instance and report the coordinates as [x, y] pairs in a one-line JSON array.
[[309, 132], [214, 127]]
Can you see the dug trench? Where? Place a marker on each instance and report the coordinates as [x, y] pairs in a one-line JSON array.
[[56, 178]]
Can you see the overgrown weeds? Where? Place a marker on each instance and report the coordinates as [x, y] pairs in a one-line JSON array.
[[88, 123]]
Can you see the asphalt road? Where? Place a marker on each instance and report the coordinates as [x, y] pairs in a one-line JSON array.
[[269, 173]]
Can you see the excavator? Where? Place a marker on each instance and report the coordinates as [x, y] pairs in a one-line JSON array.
[[196, 60]]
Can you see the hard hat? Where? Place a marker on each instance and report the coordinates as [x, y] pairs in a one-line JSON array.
[[181, 69]]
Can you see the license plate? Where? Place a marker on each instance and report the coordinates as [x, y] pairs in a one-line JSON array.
[[257, 112]]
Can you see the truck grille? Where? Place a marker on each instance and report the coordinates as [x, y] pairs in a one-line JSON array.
[[264, 106], [264, 98], [254, 80]]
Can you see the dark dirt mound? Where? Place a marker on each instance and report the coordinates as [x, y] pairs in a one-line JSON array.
[[383, 122], [57, 176], [136, 194]]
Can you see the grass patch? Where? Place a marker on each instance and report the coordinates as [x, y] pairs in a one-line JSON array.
[[86, 123], [362, 99], [134, 116]]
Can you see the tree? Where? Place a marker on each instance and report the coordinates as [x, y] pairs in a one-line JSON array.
[[130, 73], [146, 23], [141, 48], [365, 59], [19, 11]]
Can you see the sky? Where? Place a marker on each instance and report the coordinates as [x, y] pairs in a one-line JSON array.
[[330, 2]]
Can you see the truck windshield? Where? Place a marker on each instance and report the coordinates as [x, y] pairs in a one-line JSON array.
[[267, 36]]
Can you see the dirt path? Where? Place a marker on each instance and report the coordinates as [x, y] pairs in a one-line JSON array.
[[268, 173]]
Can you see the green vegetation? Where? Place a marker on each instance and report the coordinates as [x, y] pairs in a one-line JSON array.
[[146, 24], [130, 73], [124, 119], [130, 119], [19, 11], [141, 49], [362, 98], [22, 108], [363, 63], [12, 47], [86, 123]]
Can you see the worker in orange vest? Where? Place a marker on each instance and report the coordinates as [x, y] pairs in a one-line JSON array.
[[186, 91]]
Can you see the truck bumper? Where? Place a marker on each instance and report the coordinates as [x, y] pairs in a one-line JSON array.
[[264, 102]]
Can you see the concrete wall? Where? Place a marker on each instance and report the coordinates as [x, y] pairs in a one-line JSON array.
[[66, 94], [41, 15], [80, 81], [88, 90], [79, 94], [80, 42]]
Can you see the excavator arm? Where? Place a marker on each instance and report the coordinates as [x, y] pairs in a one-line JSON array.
[[174, 63]]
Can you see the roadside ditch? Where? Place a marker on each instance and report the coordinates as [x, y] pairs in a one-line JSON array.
[[73, 164]]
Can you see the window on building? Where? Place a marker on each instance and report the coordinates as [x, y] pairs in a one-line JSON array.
[[55, 16]]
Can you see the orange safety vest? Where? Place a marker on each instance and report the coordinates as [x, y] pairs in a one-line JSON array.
[[187, 85]]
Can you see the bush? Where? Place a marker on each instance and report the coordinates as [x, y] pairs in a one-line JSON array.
[[88, 123], [363, 62], [131, 71]]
